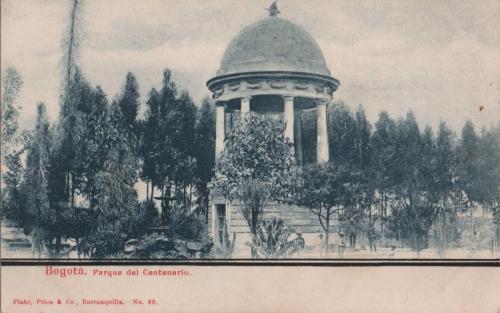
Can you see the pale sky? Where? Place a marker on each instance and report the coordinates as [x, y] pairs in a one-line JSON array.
[[440, 59]]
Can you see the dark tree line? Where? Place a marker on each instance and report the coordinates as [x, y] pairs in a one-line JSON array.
[[411, 183], [177, 146], [77, 178], [80, 175]]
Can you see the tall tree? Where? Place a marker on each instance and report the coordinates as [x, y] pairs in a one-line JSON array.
[[129, 104], [11, 86], [362, 158], [257, 165], [343, 133], [362, 140], [116, 198], [36, 179], [384, 152], [469, 158], [93, 147], [469, 174], [73, 88], [326, 189], [150, 147], [11, 195], [412, 216], [443, 173], [308, 134], [168, 143], [75, 107], [489, 178], [120, 154], [71, 43], [180, 125], [204, 153], [165, 146], [12, 145]]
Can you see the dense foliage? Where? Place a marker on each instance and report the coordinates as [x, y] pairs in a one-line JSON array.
[[411, 183], [273, 241], [78, 178], [257, 165], [256, 152]]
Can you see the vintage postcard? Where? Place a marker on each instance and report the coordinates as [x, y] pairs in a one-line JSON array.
[[159, 153]]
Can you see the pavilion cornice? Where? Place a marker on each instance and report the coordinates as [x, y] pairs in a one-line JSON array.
[[294, 84]]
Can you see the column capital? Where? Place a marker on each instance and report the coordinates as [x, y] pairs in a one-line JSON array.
[[319, 102], [288, 98], [220, 103]]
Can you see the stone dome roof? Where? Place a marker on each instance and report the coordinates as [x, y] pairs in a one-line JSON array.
[[273, 44]]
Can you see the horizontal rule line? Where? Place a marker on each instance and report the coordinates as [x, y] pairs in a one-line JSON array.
[[266, 262]]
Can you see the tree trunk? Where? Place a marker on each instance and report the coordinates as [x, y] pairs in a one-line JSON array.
[[147, 190], [453, 221], [77, 249], [380, 212], [493, 243], [66, 187], [327, 234], [190, 196], [495, 235], [416, 243], [163, 208], [33, 244], [57, 249], [253, 230], [471, 229], [162, 193], [72, 183], [385, 212], [442, 234], [206, 203]]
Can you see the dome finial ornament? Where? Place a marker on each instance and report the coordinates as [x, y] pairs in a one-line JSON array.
[[273, 9]]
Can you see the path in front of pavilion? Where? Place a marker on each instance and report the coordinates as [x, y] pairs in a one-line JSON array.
[[385, 253]]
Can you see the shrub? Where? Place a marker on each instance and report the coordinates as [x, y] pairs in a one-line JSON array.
[[272, 240], [146, 216], [224, 251], [187, 226]]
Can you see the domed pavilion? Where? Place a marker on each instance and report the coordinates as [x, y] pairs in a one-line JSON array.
[[271, 67]]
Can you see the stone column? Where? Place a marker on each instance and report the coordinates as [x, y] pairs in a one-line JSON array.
[[289, 118], [322, 150], [298, 137], [245, 105], [213, 221], [219, 129]]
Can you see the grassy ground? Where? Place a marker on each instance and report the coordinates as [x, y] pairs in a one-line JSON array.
[[12, 234]]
